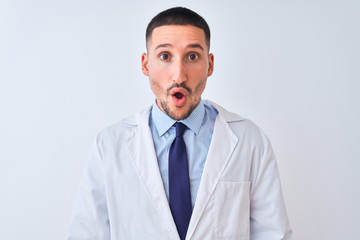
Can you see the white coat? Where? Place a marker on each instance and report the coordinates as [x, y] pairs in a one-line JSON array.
[[122, 196]]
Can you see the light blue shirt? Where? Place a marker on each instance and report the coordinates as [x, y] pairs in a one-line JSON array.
[[197, 139]]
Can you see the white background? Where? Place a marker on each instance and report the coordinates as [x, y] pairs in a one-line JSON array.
[[69, 68]]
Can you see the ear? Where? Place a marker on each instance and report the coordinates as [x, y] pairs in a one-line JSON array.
[[144, 64], [211, 64]]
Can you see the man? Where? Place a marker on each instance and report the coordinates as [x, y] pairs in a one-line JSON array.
[[185, 167]]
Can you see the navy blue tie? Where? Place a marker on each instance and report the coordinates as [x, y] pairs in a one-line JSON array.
[[179, 184]]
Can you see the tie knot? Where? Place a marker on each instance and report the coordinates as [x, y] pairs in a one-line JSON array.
[[180, 129]]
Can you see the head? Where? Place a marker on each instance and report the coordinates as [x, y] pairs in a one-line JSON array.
[[177, 61], [178, 16]]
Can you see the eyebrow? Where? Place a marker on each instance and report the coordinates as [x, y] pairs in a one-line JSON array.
[[195, 45], [163, 45]]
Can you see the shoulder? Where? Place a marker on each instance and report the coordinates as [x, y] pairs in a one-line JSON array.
[[125, 127], [241, 126]]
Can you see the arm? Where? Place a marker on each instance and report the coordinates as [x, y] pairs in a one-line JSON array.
[[268, 217], [90, 218]]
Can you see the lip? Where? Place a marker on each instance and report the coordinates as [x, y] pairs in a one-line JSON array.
[[179, 102]]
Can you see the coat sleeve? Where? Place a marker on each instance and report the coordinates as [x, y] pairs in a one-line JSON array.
[[90, 218], [268, 217]]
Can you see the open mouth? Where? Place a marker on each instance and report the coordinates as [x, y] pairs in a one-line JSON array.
[[179, 95]]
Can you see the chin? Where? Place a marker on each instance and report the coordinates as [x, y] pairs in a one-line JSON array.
[[180, 113], [176, 115], [175, 112]]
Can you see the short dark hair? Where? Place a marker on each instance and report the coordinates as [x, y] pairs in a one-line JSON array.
[[178, 16]]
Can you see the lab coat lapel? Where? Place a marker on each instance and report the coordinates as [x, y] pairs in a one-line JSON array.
[[141, 148], [218, 155]]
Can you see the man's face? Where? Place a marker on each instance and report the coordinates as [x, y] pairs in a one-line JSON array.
[[178, 64]]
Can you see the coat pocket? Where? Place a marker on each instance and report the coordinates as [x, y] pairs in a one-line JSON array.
[[232, 210]]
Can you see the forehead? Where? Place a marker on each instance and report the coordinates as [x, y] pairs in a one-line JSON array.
[[177, 35]]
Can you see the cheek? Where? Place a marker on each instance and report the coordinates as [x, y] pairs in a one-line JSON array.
[[155, 87], [199, 71], [200, 88], [200, 78], [198, 75], [158, 73], [158, 87]]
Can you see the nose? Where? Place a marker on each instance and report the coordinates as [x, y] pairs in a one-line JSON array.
[[179, 72]]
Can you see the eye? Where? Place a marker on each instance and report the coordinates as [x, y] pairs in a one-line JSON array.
[[164, 56], [193, 56]]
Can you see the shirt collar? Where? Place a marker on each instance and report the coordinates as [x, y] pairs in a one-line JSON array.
[[163, 122]]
